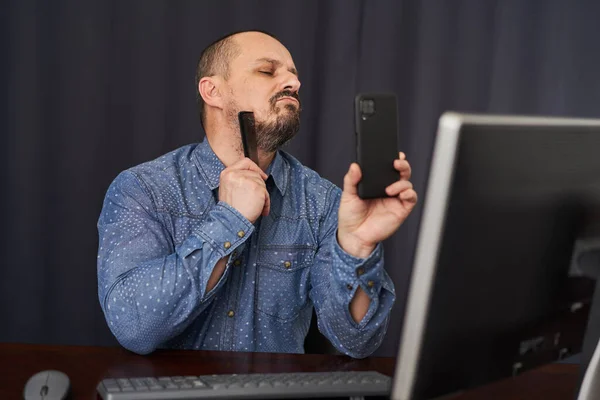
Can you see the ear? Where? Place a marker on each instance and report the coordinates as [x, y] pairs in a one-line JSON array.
[[208, 87]]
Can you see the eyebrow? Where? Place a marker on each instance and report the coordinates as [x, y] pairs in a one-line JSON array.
[[277, 63]]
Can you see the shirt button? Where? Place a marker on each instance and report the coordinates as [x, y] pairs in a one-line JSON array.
[[241, 234], [349, 286], [227, 245], [237, 262], [230, 313], [360, 271], [370, 284], [287, 264]]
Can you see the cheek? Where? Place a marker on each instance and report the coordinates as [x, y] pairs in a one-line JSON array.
[[252, 97], [262, 106]]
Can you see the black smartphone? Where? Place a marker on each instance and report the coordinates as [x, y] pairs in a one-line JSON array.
[[248, 132], [376, 128]]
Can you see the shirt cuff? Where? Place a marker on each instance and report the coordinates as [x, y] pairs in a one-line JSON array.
[[352, 271], [225, 229]]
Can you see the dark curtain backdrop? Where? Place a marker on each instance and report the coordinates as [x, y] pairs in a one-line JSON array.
[[92, 88]]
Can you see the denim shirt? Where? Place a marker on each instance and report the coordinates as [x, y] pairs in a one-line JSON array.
[[162, 230]]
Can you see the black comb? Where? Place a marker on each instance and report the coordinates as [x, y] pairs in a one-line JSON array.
[[248, 132]]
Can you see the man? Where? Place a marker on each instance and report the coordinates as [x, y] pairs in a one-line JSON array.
[[204, 249]]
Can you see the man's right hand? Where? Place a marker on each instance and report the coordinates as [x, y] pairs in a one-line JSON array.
[[243, 188]]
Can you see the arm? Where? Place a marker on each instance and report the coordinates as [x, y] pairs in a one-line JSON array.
[[336, 278], [355, 321], [149, 290]]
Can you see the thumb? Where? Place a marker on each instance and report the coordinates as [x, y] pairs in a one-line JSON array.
[[352, 178]]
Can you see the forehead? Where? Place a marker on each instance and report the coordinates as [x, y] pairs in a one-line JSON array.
[[256, 46]]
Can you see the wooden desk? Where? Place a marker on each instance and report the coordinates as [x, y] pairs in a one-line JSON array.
[[86, 366]]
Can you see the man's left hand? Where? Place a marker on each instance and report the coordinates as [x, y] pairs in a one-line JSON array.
[[364, 223]]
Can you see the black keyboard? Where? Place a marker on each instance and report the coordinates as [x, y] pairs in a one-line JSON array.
[[249, 386]]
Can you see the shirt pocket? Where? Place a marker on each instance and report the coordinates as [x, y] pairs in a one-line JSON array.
[[282, 280]]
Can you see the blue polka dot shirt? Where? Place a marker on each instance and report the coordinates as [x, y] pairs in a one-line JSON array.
[[162, 230]]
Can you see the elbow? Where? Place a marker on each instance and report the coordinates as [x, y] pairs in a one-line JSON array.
[[359, 353], [129, 335], [128, 327], [361, 344], [136, 345], [140, 349]]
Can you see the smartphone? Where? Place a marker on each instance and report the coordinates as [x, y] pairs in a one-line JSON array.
[[376, 129], [248, 132]]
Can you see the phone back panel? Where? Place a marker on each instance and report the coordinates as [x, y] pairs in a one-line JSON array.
[[376, 124]]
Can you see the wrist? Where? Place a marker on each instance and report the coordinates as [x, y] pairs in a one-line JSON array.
[[354, 246]]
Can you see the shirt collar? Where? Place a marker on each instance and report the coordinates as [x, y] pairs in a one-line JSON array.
[[210, 167], [280, 171]]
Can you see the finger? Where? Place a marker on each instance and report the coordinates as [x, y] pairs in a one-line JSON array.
[[246, 163], [260, 184], [402, 156], [242, 168], [404, 168], [267, 207], [248, 184], [409, 196], [398, 187], [241, 175], [248, 173], [352, 178]]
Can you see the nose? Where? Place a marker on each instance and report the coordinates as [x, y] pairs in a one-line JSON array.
[[291, 82]]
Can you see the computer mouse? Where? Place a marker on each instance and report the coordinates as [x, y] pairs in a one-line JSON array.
[[47, 385]]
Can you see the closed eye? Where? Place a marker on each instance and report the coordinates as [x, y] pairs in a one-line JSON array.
[[266, 73]]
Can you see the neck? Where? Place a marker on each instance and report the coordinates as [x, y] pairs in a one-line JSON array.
[[227, 145]]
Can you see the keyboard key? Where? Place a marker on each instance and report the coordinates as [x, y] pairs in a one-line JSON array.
[[197, 383], [125, 384], [111, 385], [218, 386], [139, 384], [153, 384]]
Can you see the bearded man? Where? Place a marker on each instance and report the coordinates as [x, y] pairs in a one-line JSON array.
[[202, 248]]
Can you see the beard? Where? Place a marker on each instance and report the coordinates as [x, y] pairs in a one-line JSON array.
[[274, 133]]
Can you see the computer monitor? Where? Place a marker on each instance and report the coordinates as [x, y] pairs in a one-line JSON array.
[[590, 386], [512, 204]]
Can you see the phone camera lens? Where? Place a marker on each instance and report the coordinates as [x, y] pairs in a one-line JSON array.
[[367, 108]]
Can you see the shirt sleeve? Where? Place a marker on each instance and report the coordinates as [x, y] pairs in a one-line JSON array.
[[335, 277], [150, 290]]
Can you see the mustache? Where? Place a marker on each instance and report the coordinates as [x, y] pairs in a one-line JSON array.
[[285, 93]]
